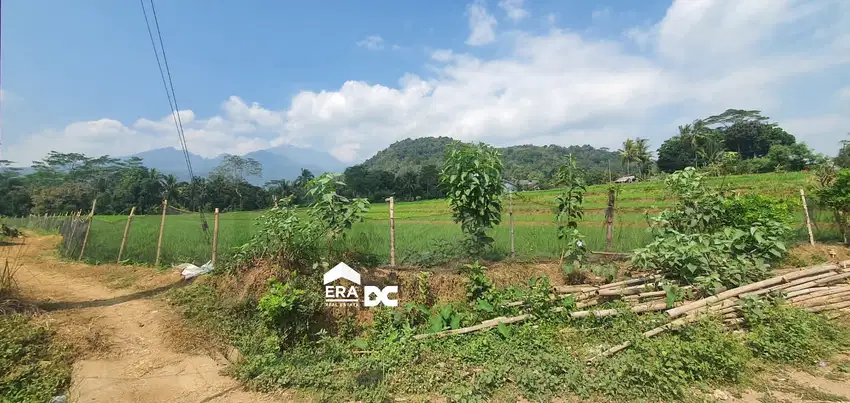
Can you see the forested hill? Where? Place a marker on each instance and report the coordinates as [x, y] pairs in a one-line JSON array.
[[528, 162]]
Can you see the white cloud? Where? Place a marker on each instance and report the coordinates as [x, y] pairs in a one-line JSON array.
[[843, 94], [481, 24], [601, 13], [372, 42], [514, 9], [557, 87]]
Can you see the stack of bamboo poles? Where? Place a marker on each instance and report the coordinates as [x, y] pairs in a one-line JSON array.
[[823, 288]]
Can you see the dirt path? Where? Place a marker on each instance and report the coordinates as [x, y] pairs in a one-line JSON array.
[[130, 344]]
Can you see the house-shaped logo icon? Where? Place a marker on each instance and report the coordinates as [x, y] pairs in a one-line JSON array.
[[342, 270]]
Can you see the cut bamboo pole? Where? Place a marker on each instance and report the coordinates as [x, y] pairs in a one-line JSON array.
[[392, 230], [808, 219], [570, 289], [800, 293], [819, 281], [161, 229], [483, 325], [630, 282], [124, 238], [838, 297], [511, 222], [796, 285], [613, 312], [88, 229], [828, 307], [676, 312], [633, 290], [816, 294]]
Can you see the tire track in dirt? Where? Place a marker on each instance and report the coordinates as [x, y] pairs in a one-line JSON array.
[[126, 340]]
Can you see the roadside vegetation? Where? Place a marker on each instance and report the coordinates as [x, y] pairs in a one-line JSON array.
[[706, 240]]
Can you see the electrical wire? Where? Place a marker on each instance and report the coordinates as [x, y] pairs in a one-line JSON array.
[[172, 100]]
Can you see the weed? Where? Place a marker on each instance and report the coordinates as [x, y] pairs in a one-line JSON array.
[[34, 366], [787, 334]]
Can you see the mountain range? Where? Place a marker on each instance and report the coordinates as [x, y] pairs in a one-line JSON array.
[[282, 162], [285, 162]]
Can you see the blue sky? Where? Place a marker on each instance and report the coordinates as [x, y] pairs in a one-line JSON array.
[[352, 77]]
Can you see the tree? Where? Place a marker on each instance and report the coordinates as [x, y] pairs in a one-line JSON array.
[[408, 184], [472, 179], [628, 154], [843, 158], [169, 187], [673, 155], [232, 173], [795, 157], [429, 181], [753, 139]]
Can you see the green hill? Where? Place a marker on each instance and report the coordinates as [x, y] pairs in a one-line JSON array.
[[529, 162]]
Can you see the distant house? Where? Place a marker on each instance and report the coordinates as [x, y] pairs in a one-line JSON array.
[[509, 186], [527, 185], [627, 179]]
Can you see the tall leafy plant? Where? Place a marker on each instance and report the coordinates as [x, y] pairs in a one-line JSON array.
[[836, 196], [336, 213], [472, 179], [570, 212]]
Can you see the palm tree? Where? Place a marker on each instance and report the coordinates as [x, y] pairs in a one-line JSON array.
[[642, 154], [628, 154], [168, 183]]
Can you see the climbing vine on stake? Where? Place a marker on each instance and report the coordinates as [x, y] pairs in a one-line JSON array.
[[472, 179], [570, 212]]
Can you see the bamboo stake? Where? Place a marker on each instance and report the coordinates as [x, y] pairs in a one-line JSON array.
[[808, 220], [819, 281], [633, 281], [613, 312], [837, 297], [609, 220], [796, 285], [799, 293], [126, 231], [215, 236], [511, 221], [392, 230], [88, 229], [816, 294], [676, 312], [161, 229]]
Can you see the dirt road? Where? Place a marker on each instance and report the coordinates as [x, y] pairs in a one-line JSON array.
[[130, 345]]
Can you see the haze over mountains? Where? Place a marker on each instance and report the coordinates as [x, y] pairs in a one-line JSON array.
[[282, 162]]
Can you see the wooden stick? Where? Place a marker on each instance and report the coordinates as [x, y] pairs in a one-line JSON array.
[[392, 230], [633, 290], [815, 295], [808, 220], [837, 297], [161, 229], [798, 293], [821, 280], [570, 289], [613, 312], [828, 307], [511, 221], [215, 237], [483, 325], [676, 312], [609, 220], [126, 231], [88, 229], [633, 281]]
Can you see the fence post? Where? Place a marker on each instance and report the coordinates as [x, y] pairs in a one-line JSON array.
[[511, 221], [88, 229], [808, 219], [161, 228], [215, 237], [609, 220], [126, 231], [392, 230]]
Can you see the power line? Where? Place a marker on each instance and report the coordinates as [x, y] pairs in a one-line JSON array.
[[172, 99]]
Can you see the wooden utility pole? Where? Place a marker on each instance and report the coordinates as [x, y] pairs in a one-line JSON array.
[[392, 230], [88, 229], [808, 219], [511, 221], [126, 231], [215, 236], [609, 220], [161, 229]]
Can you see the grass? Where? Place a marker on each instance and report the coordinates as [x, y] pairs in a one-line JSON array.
[[422, 224], [33, 367], [541, 360]]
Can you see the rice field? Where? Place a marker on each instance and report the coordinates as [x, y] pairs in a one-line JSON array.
[[421, 225]]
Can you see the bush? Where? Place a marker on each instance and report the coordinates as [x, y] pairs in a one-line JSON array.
[[288, 309], [786, 334]]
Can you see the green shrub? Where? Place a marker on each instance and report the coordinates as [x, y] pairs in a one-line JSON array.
[[289, 309], [786, 334], [667, 366]]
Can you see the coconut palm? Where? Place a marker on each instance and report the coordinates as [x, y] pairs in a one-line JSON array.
[[642, 153], [628, 154]]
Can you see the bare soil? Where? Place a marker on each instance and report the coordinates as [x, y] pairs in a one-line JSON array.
[[131, 348]]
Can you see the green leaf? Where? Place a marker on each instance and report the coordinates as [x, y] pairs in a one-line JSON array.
[[455, 322], [484, 305], [435, 323], [504, 330]]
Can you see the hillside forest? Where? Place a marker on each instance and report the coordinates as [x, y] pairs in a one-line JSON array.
[[733, 142]]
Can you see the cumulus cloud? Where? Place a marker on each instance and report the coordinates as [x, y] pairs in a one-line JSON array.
[[560, 87], [601, 13], [482, 24], [372, 42], [514, 9]]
